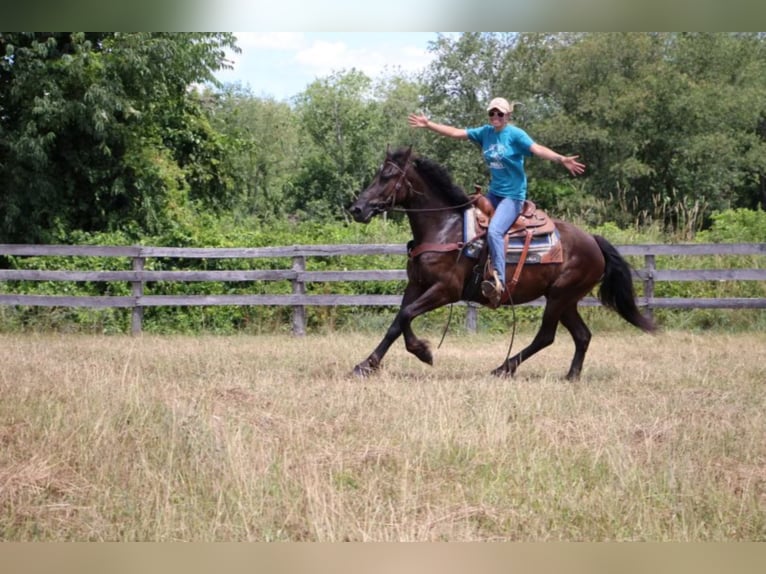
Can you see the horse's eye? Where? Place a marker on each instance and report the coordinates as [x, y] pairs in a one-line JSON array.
[[387, 171]]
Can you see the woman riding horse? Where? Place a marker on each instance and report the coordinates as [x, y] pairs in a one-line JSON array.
[[439, 271]]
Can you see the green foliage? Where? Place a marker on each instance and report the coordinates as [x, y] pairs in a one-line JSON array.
[[98, 131], [263, 149], [736, 225], [102, 141]]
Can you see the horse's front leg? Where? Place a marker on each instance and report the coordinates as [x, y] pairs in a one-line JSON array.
[[372, 362], [414, 303]]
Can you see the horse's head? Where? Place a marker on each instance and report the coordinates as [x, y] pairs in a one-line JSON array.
[[390, 187]]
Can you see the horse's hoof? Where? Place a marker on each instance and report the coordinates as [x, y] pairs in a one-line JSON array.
[[423, 352], [363, 370], [426, 357], [504, 370]]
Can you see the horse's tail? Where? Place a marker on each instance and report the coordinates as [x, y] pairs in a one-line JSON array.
[[616, 291]]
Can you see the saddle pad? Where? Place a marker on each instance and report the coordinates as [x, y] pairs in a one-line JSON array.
[[542, 249]]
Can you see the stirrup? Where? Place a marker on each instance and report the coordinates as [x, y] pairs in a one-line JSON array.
[[492, 289]]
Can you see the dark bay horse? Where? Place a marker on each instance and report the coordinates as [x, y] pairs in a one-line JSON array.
[[439, 273]]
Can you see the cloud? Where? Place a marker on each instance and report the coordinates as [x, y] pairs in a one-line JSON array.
[[322, 57], [252, 43], [283, 64]]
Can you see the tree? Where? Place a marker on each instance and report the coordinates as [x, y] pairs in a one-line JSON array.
[[667, 124], [99, 131], [264, 149], [467, 72], [340, 130]]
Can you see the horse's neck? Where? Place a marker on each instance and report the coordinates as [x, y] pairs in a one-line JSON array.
[[433, 219], [436, 226]]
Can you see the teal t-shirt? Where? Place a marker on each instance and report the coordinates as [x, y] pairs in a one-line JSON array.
[[504, 152]]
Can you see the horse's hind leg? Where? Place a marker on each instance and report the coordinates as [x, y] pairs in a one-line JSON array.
[[544, 337], [581, 335]]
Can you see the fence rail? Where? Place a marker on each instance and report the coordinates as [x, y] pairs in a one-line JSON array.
[[295, 272]]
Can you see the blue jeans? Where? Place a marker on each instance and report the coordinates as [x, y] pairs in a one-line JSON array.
[[506, 212]]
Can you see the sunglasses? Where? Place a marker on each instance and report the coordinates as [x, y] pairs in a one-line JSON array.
[[494, 113]]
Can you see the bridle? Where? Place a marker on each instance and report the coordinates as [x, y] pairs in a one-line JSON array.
[[400, 181]]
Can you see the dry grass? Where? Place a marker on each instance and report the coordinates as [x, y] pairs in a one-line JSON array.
[[268, 438]]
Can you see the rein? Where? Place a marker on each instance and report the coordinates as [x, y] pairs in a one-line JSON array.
[[425, 209]]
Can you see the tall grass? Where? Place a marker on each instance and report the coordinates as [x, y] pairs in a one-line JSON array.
[[268, 438]]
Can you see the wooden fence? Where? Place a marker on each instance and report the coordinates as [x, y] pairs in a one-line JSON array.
[[296, 273]]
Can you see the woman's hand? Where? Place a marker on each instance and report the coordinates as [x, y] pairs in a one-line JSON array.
[[417, 121], [573, 166]]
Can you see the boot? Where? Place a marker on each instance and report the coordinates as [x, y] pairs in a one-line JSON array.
[[492, 289]]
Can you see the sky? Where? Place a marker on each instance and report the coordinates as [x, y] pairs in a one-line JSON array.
[[282, 64]]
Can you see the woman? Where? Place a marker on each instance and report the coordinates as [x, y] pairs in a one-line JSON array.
[[504, 147]]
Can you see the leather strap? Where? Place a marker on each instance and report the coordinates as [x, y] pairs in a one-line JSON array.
[[522, 259], [438, 247]]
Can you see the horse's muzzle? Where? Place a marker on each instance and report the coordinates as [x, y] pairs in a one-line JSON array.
[[363, 213]]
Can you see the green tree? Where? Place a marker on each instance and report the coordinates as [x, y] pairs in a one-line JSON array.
[[264, 149], [341, 132], [470, 69], [466, 73], [668, 126], [99, 131]]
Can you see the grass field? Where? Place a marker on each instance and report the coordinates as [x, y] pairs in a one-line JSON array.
[[268, 438]]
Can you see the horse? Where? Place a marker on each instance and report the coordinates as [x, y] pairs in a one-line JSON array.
[[439, 272]]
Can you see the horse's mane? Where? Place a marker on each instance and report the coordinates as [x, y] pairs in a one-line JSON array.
[[436, 175]]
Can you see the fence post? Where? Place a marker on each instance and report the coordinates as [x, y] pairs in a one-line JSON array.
[[650, 266], [299, 288], [137, 290], [471, 315]]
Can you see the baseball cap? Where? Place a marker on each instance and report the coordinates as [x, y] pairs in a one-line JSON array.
[[500, 104]]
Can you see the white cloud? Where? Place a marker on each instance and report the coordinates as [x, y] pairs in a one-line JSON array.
[[322, 58], [253, 43], [282, 64]]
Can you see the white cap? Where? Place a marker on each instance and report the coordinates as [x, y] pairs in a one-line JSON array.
[[500, 104]]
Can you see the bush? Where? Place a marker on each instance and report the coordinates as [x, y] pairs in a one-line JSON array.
[[736, 226]]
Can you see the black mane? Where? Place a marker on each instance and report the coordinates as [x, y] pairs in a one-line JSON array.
[[436, 175]]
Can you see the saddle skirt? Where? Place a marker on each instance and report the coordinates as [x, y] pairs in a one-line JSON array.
[[544, 245]]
